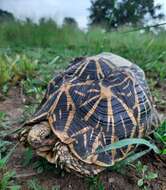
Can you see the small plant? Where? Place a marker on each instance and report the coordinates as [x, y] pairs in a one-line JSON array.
[[145, 175], [34, 185], [27, 157], [33, 88], [4, 72], [2, 116], [55, 188], [94, 183], [42, 165]]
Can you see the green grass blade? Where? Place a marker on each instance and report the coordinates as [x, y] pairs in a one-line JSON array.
[[129, 141], [6, 180], [131, 158], [4, 160]]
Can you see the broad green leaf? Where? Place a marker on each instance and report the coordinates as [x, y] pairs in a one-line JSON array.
[[140, 182], [151, 175]]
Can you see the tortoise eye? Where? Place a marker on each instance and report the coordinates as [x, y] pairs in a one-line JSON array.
[[47, 136]]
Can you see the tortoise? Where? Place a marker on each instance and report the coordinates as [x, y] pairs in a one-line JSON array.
[[97, 101]]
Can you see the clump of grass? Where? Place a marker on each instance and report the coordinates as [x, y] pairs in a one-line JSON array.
[[6, 177], [7, 182], [146, 49], [15, 70], [22, 67], [4, 72]]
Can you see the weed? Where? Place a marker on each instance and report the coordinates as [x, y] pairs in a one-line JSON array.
[[27, 157], [145, 175], [2, 116], [34, 185], [55, 188], [94, 183], [42, 165]]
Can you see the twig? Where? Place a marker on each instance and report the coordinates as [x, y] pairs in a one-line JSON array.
[[24, 175]]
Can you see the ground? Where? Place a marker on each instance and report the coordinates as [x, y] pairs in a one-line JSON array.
[[13, 105]]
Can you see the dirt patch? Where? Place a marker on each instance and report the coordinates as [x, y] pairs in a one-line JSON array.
[[13, 106]]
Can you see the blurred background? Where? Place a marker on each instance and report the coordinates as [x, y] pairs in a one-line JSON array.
[[114, 13], [106, 14]]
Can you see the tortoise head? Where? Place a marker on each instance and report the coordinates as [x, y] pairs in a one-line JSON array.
[[41, 136]]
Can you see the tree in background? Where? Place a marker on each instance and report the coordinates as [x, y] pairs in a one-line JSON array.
[[5, 16], [70, 21], [114, 13]]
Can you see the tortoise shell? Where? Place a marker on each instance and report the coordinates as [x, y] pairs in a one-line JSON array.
[[97, 101]]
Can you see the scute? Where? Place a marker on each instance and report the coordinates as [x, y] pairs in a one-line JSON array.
[[96, 103]]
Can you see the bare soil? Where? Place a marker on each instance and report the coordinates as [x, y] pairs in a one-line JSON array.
[[13, 106]]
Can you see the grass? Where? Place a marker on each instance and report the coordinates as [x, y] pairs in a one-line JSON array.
[[147, 49], [160, 136], [6, 182], [30, 55], [6, 150], [4, 72], [6, 176]]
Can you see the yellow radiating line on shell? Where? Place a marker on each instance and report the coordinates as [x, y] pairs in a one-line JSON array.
[[71, 113], [123, 125], [111, 117], [82, 131], [109, 113], [91, 111], [38, 117], [88, 101], [89, 82], [56, 102], [93, 90], [83, 69], [129, 146], [137, 105], [79, 93], [119, 84], [45, 113], [99, 70], [109, 63], [128, 110]]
